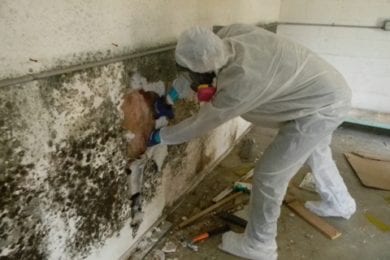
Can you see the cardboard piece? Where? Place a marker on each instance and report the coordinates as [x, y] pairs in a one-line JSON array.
[[372, 172]]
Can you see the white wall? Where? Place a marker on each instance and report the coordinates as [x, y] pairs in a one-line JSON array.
[[361, 54], [352, 12], [61, 33]]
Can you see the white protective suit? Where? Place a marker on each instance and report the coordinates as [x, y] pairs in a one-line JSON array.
[[268, 79]]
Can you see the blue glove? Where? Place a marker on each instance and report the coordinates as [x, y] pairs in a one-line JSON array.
[[161, 108], [181, 88], [154, 138], [173, 95]]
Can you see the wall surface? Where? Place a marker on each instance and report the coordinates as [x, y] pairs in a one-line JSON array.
[[66, 177], [42, 35], [362, 55], [65, 168]]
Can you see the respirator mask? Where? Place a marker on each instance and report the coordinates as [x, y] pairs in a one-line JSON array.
[[201, 83]]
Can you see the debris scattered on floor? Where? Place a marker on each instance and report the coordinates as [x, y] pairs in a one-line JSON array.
[[158, 255], [317, 222], [377, 222], [233, 219], [189, 244], [144, 246], [213, 232], [169, 247], [229, 190], [308, 183], [242, 169], [209, 210], [242, 186], [372, 172], [295, 235]]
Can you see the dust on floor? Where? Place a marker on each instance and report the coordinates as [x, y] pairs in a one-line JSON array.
[[296, 239]]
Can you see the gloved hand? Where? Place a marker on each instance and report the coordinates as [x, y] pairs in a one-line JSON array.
[[181, 88], [162, 108], [154, 138]]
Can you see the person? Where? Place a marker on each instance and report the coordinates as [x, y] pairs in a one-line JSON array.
[[267, 80]]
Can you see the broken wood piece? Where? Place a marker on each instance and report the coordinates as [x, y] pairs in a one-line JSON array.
[[372, 173], [208, 210], [317, 222], [229, 190]]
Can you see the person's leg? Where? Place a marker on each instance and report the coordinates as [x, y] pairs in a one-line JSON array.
[[280, 162], [336, 200]]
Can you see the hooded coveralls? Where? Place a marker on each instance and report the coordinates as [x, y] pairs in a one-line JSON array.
[[267, 79]]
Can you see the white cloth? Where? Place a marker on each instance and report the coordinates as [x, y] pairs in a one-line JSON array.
[[266, 78]]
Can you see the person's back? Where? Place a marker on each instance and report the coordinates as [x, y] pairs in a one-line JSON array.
[[281, 80]]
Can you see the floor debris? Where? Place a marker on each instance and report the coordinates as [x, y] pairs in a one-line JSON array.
[[296, 239], [308, 183], [372, 172], [233, 219], [377, 222], [169, 247], [229, 190], [158, 255], [317, 222], [143, 247], [209, 209], [242, 186]]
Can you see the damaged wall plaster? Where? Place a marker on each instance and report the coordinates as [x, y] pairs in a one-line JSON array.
[[44, 35], [64, 164]]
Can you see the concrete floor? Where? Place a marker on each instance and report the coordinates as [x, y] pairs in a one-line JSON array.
[[296, 239]]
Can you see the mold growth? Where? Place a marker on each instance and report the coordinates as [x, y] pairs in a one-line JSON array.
[[19, 239], [65, 160]]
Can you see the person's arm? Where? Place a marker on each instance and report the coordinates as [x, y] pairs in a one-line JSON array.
[[208, 118], [230, 101]]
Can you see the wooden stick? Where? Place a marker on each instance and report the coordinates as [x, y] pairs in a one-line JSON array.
[[209, 209], [229, 190], [317, 222]]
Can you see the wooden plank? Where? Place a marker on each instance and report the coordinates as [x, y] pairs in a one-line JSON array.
[[229, 190], [209, 209], [317, 222]]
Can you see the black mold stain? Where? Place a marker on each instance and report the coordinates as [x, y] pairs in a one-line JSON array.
[[20, 230], [96, 193], [160, 66], [152, 179], [93, 195], [204, 159]]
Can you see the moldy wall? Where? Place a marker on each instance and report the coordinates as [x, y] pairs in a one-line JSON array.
[[65, 168], [66, 177]]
